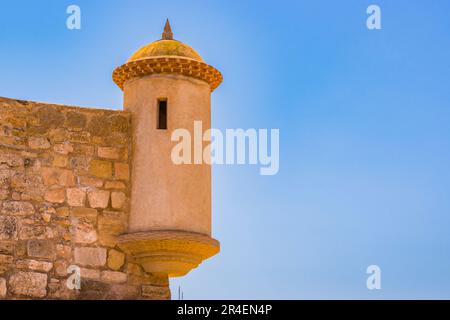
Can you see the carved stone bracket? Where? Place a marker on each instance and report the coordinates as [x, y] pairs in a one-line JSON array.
[[172, 253]]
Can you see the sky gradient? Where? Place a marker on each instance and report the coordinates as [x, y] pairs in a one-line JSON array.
[[364, 131]]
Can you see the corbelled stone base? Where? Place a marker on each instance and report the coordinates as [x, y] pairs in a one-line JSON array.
[[171, 253]]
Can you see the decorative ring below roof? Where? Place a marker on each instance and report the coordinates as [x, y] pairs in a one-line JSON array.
[[168, 65]]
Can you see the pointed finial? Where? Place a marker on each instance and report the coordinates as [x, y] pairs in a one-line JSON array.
[[167, 34]]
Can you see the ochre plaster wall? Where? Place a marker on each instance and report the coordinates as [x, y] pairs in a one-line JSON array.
[[166, 196]]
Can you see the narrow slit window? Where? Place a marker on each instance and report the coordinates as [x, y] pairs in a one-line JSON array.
[[162, 114]]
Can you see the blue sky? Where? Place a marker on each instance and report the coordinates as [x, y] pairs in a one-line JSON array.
[[364, 131]]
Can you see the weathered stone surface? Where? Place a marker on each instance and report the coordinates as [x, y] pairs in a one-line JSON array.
[[113, 276], [60, 161], [155, 292], [60, 268], [41, 249], [27, 184], [17, 208], [31, 284], [89, 214], [8, 228], [123, 292], [57, 135], [63, 148], [5, 177], [20, 248], [115, 185], [75, 120], [39, 143], [83, 232], [91, 274], [156, 280], [4, 194], [109, 153], [58, 290], [76, 197], [27, 232], [100, 168], [134, 269], [6, 247], [121, 171], [3, 289], [80, 137], [118, 199], [57, 176], [110, 225], [63, 212], [116, 259], [6, 262], [55, 195], [98, 198], [50, 117], [93, 290], [64, 251], [91, 182], [80, 165], [34, 265], [100, 126], [95, 257], [84, 149], [46, 216], [118, 123], [11, 160], [6, 259]]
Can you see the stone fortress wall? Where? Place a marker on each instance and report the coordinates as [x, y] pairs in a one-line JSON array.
[[64, 198]]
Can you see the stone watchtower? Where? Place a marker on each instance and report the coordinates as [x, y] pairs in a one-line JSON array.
[[93, 194], [167, 86]]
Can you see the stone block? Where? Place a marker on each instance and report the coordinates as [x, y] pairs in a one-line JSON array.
[[155, 292], [87, 214], [41, 249], [60, 161], [100, 168], [115, 185], [98, 199], [64, 251], [17, 208], [55, 195], [108, 153], [86, 256], [6, 247], [38, 143], [75, 121], [8, 228], [118, 199], [30, 284], [83, 231], [91, 274], [3, 288], [34, 265], [63, 148], [76, 197], [116, 259], [113, 276], [58, 176], [91, 182], [121, 171]]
